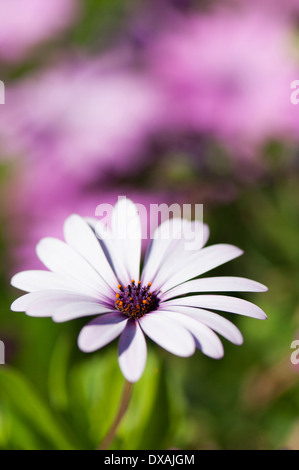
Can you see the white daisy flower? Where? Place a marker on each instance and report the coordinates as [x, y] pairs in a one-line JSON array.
[[90, 275]]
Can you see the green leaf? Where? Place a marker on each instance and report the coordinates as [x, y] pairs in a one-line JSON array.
[[22, 398]]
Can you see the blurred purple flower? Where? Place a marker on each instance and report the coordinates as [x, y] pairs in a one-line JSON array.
[[84, 117], [287, 9], [228, 74], [26, 23]]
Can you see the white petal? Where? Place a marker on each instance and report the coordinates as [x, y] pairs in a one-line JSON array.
[[92, 222], [113, 253], [168, 333], [101, 331], [132, 352], [216, 284], [170, 236], [80, 236], [62, 259], [33, 281], [199, 263], [40, 308], [207, 341], [165, 238], [126, 232], [22, 303], [77, 309], [195, 235], [220, 302], [218, 323]]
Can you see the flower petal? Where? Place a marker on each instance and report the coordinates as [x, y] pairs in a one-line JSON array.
[[74, 310], [126, 232], [37, 280], [215, 284], [101, 331], [165, 238], [80, 236], [112, 252], [168, 333], [170, 236], [132, 352], [198, 263], [59, 257], [220, 302], [206, 340], [218, 323], [45, 297]]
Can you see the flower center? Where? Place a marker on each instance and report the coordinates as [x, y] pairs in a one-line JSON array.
[[135, 301]]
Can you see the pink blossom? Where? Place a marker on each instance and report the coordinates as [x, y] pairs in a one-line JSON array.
[[228, 74], [26, 23], [287, 9], [85, 117]]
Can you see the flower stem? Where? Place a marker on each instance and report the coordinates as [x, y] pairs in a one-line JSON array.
[[124, 404]]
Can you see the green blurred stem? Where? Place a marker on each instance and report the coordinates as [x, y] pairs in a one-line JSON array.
[[124, 404]]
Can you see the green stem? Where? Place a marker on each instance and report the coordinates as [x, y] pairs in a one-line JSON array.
[[124, 404]]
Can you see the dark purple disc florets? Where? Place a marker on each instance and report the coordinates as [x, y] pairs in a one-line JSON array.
[[135, 301]]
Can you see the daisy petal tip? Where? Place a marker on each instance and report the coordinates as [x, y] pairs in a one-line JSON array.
[[216, 354], [237, 249], [16, 306], [82, 345], [73, 216], [72, 219], [17, 281], [219, 356], [57, 319], [13, 307], [259, 287], [132, 378], [239, 340], [84, 350], [82, 341], [187, 353], [41, 245], [42, 241], [261, 316], [14, 280]]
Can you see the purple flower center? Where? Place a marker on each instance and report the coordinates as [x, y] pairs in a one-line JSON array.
[[135, 301]]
